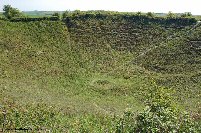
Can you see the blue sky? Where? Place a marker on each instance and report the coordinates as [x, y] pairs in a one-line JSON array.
[[177, 6]]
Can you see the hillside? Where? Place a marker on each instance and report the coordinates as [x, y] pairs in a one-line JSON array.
[[122, 32], [168, 50], [98, 65], [38, 60]]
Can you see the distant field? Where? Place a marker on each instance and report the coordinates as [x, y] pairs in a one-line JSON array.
[[36, 13], [40, 13]]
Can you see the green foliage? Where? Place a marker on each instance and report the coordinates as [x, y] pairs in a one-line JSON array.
[[144, 18], [56, 14], [86, 66], [43, 118], [171, 15], [33, 117], [127, 123], [160, 115], [186, 15], [28, 19], [123, 32], [65, 14], [10, 12], [150, 14], [139, 13]]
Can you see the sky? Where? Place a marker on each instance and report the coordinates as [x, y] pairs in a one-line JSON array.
[[157, 6]]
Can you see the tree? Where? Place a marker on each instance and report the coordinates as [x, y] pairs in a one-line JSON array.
[[150, 14], [10, 12], [186, 14], [56, 14], [139, 13], [171, 15], [76, 13], [65, 14]]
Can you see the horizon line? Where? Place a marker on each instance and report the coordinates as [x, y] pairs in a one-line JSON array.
[[105, 11]]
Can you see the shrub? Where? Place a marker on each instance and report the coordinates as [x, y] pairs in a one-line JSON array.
[[10, 12], [160, 115], [171, 15], [35, 117], [65, 14], [186, 14], [56, 14], [150, 14]]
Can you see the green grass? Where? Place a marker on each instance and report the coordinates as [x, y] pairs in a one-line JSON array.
[[174, 63], [31, 71], [87, 82]]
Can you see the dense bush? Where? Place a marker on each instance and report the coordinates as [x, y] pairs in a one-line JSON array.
[[2, 18], [160, 115], [38, 117], [56, 14], [144, 18], [10, 12]]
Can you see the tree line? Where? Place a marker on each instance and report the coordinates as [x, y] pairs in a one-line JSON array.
[[15, 15]]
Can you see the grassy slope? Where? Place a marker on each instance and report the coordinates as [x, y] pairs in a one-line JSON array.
[[38, 64], [178, 65], [43, 62], [174, 63]]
